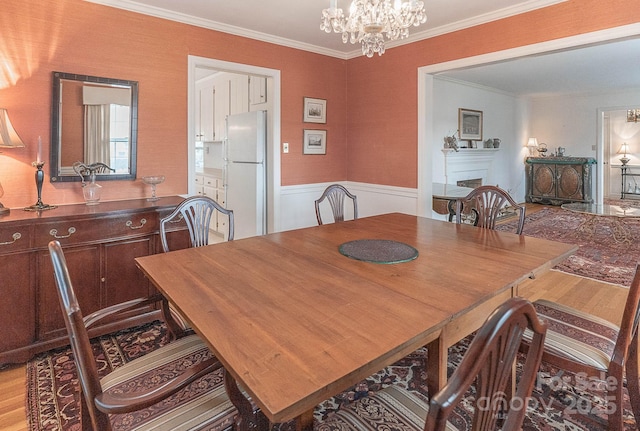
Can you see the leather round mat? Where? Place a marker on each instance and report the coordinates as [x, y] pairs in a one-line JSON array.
[[379, 251]]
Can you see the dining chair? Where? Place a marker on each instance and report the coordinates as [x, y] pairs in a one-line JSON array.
[[336, 195], [487, 204], [488, 362], [582, 343], [161, 390], [197, 212]]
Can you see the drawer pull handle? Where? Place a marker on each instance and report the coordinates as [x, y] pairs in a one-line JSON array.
[[16, 236], [142, 223], [54, 233], [177, 219]]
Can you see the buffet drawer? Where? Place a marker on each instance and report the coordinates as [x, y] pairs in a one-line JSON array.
[[96, 229], [15, 238]]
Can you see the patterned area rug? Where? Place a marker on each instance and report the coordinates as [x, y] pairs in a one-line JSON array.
[[608, 246], [557, 404]]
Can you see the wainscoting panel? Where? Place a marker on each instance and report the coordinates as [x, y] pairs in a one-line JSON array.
[[298, 211]]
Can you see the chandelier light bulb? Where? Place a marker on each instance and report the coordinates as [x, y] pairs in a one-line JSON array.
[[370, 21]]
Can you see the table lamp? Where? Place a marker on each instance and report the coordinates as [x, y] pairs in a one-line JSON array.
[[624, 149], [8, 139], [532, 144]]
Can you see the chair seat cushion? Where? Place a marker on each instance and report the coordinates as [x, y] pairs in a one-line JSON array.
[[391, 408], [203, 403], [578, 336]]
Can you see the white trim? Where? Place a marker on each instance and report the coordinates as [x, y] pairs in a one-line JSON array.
[[426, 102], [273, 160]]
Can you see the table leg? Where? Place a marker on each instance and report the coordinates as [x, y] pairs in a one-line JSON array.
[[248, 419], [436, 365], [305, 421]]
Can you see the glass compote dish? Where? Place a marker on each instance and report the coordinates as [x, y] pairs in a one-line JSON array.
[[153, 181]]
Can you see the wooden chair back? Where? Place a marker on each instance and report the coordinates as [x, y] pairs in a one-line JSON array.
[[197, 212], [626, 349], [80, 344], [489, 362], [487, 203], [336, 195]]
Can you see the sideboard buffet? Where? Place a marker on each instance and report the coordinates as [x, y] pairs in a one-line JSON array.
[[558, 180], [100, 243]]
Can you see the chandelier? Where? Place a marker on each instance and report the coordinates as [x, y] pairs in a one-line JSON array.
[[370, 20], [633, 115]]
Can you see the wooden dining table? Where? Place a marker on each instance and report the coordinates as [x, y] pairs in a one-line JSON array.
[[294, 321]]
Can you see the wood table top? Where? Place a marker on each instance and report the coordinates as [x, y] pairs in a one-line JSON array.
[[295, 322]]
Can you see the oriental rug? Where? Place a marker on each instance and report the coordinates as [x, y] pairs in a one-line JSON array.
[[601, 255], [557, 402]]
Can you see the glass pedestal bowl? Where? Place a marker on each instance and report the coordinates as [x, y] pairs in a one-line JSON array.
[[153, 181]]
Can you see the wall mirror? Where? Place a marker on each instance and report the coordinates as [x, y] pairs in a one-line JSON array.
[[93, 120]]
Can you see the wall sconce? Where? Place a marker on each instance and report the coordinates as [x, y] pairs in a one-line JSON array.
[[532, 145], [633, 115], [8, 139], [624, 149]]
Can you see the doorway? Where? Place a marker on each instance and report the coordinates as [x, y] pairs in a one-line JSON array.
[[614, 130], [195, 67], [427, 105]]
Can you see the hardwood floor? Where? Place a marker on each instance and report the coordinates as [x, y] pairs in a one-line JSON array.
[[601, 299]]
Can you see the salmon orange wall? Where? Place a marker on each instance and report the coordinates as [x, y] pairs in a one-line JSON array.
[[382, 91], [371, 103], [75, 36]]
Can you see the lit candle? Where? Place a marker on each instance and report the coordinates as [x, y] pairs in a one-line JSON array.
[[39, 159]]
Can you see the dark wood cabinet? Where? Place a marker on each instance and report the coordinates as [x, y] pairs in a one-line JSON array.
[[557, 180], [100, 244]]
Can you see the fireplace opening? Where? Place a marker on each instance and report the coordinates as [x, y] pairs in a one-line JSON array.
[[470, 183]]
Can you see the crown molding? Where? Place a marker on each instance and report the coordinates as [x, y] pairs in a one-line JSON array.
[[238, 31]]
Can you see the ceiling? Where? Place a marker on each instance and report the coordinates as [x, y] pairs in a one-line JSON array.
[[604, 67]]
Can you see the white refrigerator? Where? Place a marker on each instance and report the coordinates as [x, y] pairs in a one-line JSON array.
[[245, 172]]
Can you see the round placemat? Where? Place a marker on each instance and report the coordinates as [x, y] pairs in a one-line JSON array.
[[379, 251]]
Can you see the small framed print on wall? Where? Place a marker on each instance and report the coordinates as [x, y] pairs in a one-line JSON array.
[[315, 110], [315, 142], [469, 124]]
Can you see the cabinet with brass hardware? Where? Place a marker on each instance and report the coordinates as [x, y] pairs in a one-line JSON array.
[[100, 243]]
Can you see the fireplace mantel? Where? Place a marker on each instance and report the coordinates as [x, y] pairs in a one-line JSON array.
[[468, 163]]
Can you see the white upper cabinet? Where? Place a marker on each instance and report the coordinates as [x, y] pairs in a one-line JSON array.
[[239, 94], [205, 107], [222, 106], [257, 90]]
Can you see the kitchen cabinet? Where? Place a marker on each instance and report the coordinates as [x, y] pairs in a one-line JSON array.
[[257, 90], [222, 106], [100, 244], [213, 187], [205, 112], [557, 180], [238, 94]]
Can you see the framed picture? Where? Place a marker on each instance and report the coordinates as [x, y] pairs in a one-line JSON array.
[[315, 142], [315, 110], [469, 124]]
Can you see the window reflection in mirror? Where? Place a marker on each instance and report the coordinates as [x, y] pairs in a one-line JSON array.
[[94, 120]]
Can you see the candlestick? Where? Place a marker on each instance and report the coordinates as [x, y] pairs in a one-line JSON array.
[[39, 206]]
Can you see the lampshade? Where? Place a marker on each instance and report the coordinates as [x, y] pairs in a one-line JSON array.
[[8, 136], [624, 149]]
